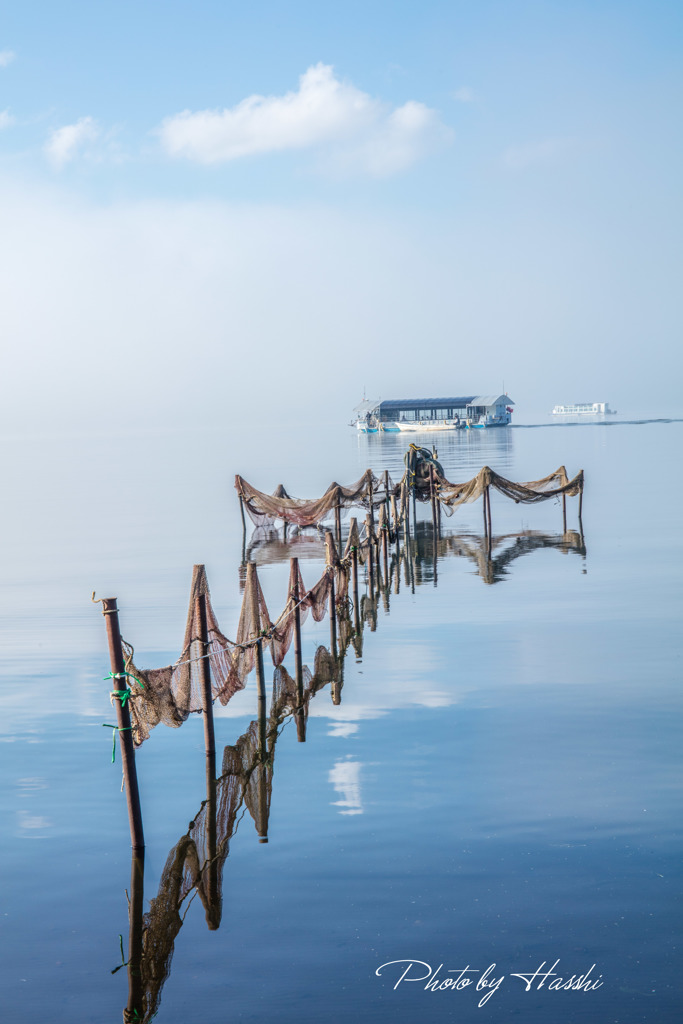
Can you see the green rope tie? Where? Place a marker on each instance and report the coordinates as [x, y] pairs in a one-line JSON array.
[[115, 729], [124, 675], [124, 962], [122, 695]]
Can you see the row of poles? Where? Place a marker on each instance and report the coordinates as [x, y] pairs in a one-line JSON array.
[[377, 544]]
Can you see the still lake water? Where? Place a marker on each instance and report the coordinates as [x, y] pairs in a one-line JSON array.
[[500, 784]]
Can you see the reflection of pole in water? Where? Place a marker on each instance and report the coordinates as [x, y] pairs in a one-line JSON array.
[[134, 1008], [213, 899], [435, 549], [338, 682], [262, 790]]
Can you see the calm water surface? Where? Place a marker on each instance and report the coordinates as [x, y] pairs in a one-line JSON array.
[[500, 783]]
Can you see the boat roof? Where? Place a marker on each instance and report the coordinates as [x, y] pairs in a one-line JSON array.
[[443, 403], [491, 400]]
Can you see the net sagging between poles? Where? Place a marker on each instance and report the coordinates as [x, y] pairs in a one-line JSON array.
[[452, 495], [370, 491], [264, 509], [171, 694]]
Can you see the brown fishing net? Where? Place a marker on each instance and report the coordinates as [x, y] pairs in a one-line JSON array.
[[264, 509], [451, 495], [374, 492], [172, 693]]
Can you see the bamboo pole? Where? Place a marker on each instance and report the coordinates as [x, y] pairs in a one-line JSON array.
[[205, 671], [252, 584], [337, 522], [130, 778], [386, 490], [580, 503], [564, 513], [330, 559], [432, 494], [370, 496], [298, 664], [394, 512], [384, 534], [244, 522], [406, 512], [371, 556], [488, 510], [354, 577]]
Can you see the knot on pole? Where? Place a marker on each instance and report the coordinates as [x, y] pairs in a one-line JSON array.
[[115, 729]]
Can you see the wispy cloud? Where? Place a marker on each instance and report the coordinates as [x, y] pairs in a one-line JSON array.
[[6, 58], [6, 119], [66, 142], [464, 94], [547, 151], [325, 113]]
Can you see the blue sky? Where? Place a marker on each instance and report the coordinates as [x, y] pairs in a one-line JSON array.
[[493, 185]]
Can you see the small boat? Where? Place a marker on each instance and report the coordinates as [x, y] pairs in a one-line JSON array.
[[584, 409]]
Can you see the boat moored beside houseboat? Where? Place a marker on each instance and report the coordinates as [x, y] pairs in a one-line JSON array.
[[427, 414]]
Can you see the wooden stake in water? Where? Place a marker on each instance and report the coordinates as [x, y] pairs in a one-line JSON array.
[[252, 586], [298, 663], [205, 671], [371, 556], [130, 778], [330, 558]]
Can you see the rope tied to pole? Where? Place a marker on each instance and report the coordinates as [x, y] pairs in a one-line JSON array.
[[115, 729], [124, 675]]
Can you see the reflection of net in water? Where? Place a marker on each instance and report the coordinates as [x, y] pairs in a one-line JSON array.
[[195, 864]]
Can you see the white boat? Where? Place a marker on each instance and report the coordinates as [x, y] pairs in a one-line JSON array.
[[584, 409], [417, 415]]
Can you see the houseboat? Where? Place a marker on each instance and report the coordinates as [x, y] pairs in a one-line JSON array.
[[584, 409], [427, 414]]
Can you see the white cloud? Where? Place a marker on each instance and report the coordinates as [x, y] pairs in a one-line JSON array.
[[546, 151], [6, 119], [6, 58], [361, 132], [464, 94], [64, 143]]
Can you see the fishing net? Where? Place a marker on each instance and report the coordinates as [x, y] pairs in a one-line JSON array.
[[170, 694], [451, 495], [263, 509]]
